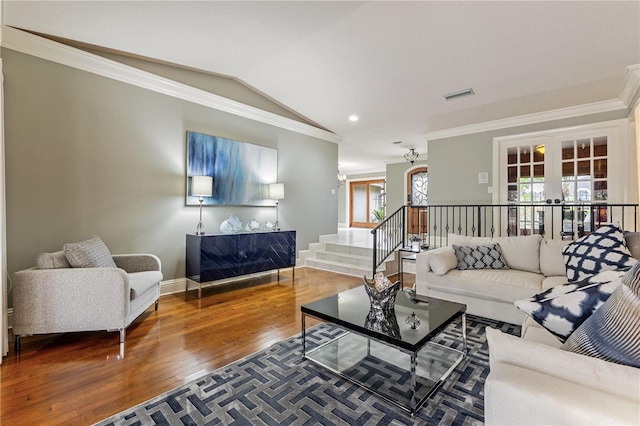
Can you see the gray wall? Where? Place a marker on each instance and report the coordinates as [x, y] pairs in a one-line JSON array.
[[454, 163], [88, 155], [396, 182]]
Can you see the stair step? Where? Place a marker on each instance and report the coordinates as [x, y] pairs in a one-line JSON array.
[[328, 238], [316, 246], [346, 258], [328, 265], [347, 249]]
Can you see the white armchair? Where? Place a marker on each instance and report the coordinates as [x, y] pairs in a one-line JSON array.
[[66, 299]]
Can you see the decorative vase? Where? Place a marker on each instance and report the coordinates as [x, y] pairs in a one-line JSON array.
[[384, 300]]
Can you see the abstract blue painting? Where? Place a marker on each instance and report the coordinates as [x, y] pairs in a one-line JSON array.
[[241, 171]]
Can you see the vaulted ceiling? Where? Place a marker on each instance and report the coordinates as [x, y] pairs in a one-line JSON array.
[[389, 63]]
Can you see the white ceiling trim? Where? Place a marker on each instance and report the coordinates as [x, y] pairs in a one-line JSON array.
[[523, 120], [631, 84], [41, 47]]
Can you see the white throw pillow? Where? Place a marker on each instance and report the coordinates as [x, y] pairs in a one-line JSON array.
[[442, 260]]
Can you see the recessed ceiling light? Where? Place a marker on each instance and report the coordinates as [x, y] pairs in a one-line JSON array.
[[459, 94], [353, 118]]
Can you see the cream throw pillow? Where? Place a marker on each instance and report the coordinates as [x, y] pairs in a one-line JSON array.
[[92, 253], [442, 260]]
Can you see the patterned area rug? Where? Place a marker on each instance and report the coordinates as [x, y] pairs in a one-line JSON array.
[[277, 387]]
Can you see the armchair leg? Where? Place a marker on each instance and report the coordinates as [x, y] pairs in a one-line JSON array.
[[17, 343], [157, 302], [122, 334]]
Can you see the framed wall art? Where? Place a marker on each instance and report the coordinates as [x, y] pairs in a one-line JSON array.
[[241, 171]]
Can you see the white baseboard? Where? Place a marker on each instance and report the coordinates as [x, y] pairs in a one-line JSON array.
[[172, 286]]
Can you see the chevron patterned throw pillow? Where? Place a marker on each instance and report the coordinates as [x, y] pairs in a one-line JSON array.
[[480, 257]]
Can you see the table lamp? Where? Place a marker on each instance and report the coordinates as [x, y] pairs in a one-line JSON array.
[[276, 192], [201, 186]]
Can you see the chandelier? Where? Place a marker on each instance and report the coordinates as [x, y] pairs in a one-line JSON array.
[[342, 178], [411, 156]]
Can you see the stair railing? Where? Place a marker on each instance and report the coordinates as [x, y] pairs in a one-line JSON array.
[[388, 236], [564, 221]]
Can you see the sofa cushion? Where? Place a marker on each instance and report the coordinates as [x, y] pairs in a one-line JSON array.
[[479, 257], [590, 373], [521, 252], [139, 282], [442, 260], [502, 285], [55, 260], [91, 253], [551, 260], [553, 281], [601, 250], [612, 333], [562, 309]]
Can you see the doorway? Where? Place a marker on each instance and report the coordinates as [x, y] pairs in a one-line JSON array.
[[418, 196], [367, 203]]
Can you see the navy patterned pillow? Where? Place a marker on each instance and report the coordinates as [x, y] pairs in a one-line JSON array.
[[612, 333], [480, 257], [562, 309], [602, 250]]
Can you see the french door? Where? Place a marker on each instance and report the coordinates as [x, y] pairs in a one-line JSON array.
[[366, 203], [572, 166]]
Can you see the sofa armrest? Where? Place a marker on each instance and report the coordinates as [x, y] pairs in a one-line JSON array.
[[137, 262], [69, 299], [590, 373]]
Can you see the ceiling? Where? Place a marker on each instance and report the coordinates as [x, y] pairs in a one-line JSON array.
[[390, 63]]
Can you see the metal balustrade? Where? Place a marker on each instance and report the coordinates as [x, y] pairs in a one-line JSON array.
[[430, 225]]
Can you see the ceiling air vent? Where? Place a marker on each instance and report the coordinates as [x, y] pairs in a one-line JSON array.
[[461, 93]]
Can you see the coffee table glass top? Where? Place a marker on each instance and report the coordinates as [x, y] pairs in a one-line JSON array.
[[352, 310]]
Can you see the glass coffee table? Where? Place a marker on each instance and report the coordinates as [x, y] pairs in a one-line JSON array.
[[383, 353]]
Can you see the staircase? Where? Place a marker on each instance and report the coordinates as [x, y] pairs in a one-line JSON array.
[[349, 252]]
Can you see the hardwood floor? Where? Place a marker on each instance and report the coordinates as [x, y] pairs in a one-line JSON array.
[[81, 378]]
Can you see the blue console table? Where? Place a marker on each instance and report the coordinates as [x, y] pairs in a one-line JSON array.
[[213, 257]]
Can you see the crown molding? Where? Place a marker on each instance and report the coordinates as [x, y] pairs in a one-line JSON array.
[[40, 47], [523, 120], [631, 84]]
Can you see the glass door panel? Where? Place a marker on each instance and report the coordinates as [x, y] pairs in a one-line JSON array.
[[567, 170], [359, 202], [417, 184], [367, 203]]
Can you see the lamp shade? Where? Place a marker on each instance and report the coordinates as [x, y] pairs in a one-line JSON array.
[[276, 191], [202, 186]]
